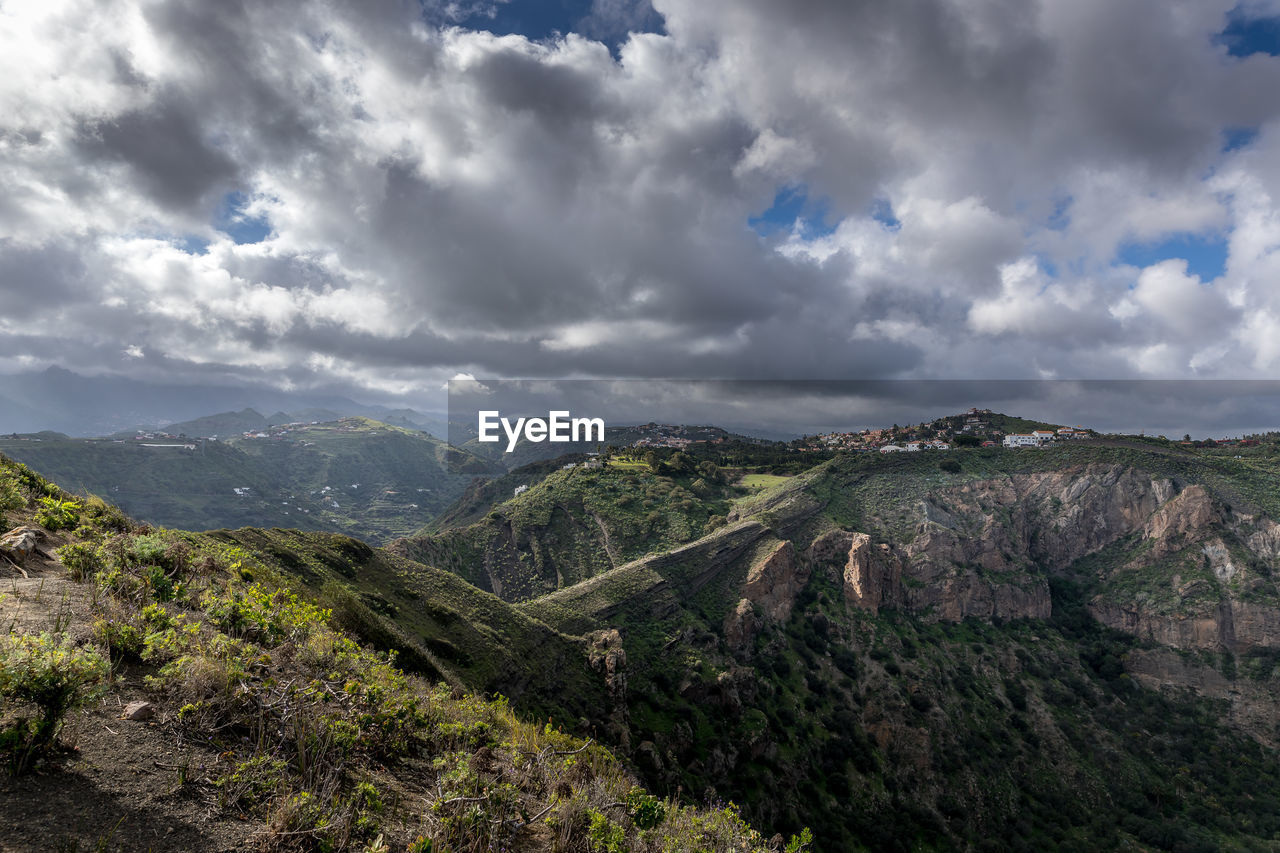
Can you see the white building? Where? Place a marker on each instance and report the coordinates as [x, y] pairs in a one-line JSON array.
[[1021, 440]]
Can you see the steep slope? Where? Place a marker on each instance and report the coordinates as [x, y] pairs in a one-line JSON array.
[[916, 655], [442, 627], [218, 708], [573, 524]]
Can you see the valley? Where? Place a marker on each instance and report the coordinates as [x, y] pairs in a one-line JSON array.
[[1058, 648], [352, 475]]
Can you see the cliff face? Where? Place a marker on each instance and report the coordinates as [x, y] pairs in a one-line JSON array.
[[774, 581], [1250, 703], [1200, 578], [984, 548], [1184, 570]]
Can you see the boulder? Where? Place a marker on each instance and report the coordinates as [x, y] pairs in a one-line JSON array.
[[21, 542], [139, 711]]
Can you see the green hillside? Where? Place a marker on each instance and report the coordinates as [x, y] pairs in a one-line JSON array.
[[1066, 648], [896, 729], [353, 475], [220, 694], [575, 523]]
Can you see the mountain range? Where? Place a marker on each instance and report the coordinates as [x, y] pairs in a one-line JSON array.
[[60, 400]]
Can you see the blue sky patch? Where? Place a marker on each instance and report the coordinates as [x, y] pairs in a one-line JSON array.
[[1060, 218], [1235, 138], [792, 203], [191, 244], [1205, 254], [232, 221], [542, 19], [882, 212], [1245, 35]]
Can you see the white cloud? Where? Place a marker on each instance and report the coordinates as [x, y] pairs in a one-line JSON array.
[[445, 201]]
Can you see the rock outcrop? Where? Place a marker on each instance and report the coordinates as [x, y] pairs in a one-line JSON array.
[[741, 626], [607, 657], [774, 580], [1227, 624], [870, 574], [20, 543], [1185, 517], [986, 548]]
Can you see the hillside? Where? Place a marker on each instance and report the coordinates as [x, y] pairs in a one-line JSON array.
[[187, 692], [352, 475], [1027, 649], [572, 524], [1067, 648]]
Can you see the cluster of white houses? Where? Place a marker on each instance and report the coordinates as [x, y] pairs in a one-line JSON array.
[[1041, 437], [916, 446]]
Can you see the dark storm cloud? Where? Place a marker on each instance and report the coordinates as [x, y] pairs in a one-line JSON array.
[[164, 148], [33, 277], [783, 409]]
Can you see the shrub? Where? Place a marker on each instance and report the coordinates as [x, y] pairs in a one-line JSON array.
[[10, 497], [81, 559], [52, 676], [105, 516], [265, 615], [251, 784], [606, 836], [646, 810], [55, 514], [122, 638]]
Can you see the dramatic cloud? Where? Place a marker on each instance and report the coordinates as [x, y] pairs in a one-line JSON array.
[[378, 196]]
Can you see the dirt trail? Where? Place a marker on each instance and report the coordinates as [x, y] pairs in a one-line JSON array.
[[117, 784]]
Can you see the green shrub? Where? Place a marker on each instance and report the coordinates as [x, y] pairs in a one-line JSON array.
[[51, 676], [162, 588], [606, 836], [81, 559], [105, 516], [55, 514], [646, 810], [10, 497], [271, 617], [122, 638], [251, 784]]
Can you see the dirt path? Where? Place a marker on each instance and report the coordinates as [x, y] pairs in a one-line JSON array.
[[117, 784]]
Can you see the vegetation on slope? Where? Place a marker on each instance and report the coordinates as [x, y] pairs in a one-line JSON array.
[[326, 744], [576, 523], [898, 731], [354, 476]]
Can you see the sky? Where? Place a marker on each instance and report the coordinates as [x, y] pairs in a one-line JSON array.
[[371, 198]]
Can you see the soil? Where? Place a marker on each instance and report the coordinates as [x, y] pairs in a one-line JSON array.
[[116, 785]]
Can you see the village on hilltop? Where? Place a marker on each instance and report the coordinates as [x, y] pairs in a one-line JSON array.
[[973, 428]]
